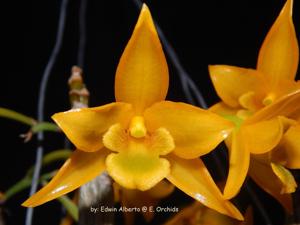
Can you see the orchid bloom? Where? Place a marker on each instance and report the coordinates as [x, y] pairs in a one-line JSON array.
[[264, 104], [141, 139]]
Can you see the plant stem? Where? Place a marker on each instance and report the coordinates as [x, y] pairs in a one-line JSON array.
[[41, 103], [45, 126], [53, 156], [70, 206], [23, 184], [13, 115]]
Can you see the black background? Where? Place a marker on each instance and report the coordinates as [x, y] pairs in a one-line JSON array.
[[202, 33]]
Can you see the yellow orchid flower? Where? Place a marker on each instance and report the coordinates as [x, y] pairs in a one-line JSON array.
[[264, 103], [141, 139]]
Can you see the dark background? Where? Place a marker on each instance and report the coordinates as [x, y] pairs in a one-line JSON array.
[[202, 33]]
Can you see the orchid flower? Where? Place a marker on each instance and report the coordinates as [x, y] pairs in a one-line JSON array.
[[264, 104], [141, 139]]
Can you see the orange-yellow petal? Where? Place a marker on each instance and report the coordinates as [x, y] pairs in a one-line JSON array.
[[264, 176], [85, 127], [192, 177], [142, 75], [295, 115], [161, 142], [80, 168], [288, 152], [116, 138], [286, 106], [287, 179], [239, 157], [228, 113], [223, 110], [195, 131], [137, 167], [232, 82], [279, 54], [263, 136]]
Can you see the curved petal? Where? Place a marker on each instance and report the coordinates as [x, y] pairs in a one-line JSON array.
[[195, 131], [192, 177], [279, 54], [137, 167], [80, 168], [288, 152], [287, 179], [295, 115], [142, 76], [263, 136], [228, 113], [239, 157], [263, 175], [223, 110], [85, 127], [286, 106], [232, 82]]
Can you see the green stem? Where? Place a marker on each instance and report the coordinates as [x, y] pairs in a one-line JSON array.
[[70, 206], [26, 181], [19, 186], [13, 115], [61, 154], [23, 184], [44, 126], [53, 156]]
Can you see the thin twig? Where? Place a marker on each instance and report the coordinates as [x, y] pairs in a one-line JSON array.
[[41, 103], [82, 33]]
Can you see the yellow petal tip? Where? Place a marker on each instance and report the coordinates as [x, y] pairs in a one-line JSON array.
[[228, 194], [289, 6], [25, 204], [145, 15], [29, 203]]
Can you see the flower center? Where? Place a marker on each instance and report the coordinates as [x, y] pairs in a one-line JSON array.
[[137, 127], [117, 139]]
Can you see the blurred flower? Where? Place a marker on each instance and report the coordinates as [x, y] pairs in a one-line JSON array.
[[264, 104], [141, 139], [197, 214], [131, 198]]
